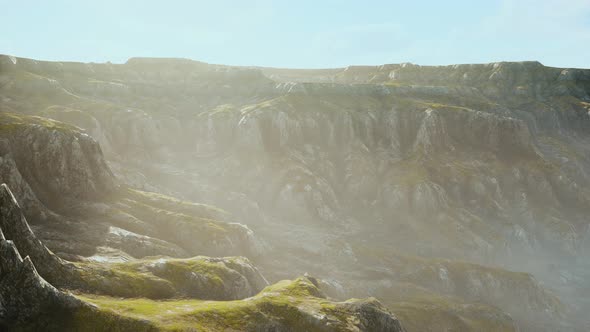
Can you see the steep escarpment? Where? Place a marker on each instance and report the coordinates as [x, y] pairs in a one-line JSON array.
[[55, 160], [401, 157], [529, 78], [436, 282], [66, 188], [424, 310], [28, 302], [39, 304], [403, 182], [164, 277]]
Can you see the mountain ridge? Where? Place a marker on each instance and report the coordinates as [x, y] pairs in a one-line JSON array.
[[363, 172]]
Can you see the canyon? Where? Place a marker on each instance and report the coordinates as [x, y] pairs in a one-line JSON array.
[[262, 199]]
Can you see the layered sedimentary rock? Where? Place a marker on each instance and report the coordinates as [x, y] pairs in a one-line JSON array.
[[65, 187], [480, 163], [28, 302]]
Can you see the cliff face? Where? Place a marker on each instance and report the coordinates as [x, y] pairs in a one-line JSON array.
[[523, 79], [480, 163], [28, 302], [410, 150], [66, 188], [54, 159]]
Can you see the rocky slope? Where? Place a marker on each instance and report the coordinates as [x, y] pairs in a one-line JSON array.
[[378, 179], [28, 302]]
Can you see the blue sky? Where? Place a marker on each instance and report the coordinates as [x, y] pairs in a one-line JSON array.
[[300, 34]]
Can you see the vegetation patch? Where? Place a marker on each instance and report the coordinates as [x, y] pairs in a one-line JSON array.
[[10, 122], [295, 305]]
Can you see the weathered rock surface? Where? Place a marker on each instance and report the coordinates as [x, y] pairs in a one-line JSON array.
[[24, 294], [289, 305], [65, 187], [16, 229], [55, 160], [28, 302], [409, 277], [200, 277], [480, 163]]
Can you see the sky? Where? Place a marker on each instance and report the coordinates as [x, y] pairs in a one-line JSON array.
[[302, 33]]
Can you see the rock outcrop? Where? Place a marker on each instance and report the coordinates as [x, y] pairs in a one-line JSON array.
[[202, 277], [28, 302], [17, 230], [25, 295], [470, 163], [55, 160], [59, 173]]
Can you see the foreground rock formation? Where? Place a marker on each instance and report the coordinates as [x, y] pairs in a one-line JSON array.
[[422, 186], [28, 302]]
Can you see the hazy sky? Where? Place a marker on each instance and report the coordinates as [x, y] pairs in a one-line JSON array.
[[301, 33]]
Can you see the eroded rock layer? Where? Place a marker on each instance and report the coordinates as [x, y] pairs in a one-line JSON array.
[[419, 185]]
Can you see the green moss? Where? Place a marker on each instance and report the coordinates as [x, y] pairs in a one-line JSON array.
[[86, 318], [172, 204], [96, 319], [180, 272], [208, 229], [10, 122], [287, 303], [159, 278], [301, 287], [122, 280]]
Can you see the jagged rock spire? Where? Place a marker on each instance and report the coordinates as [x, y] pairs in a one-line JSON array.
[[23, 292], [16, 229]]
